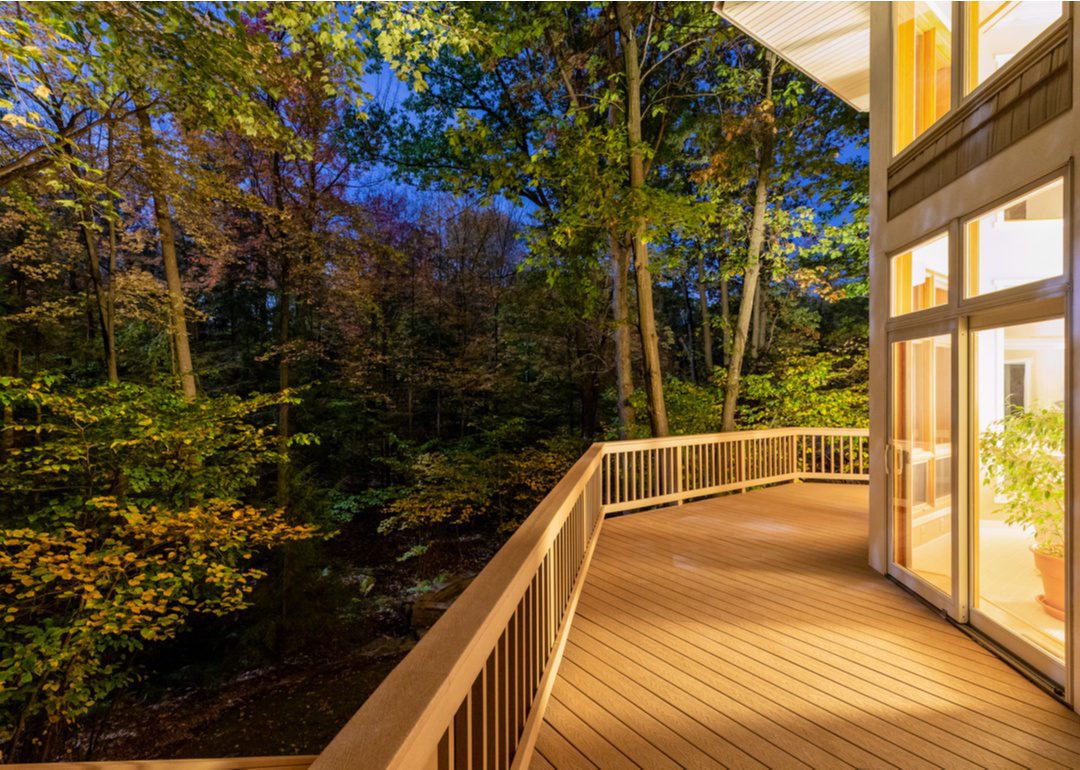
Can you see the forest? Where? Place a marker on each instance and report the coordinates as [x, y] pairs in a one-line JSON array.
[[305, 306]]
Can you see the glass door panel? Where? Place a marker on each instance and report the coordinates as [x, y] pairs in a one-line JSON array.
[[921, 439], [1018, 532]]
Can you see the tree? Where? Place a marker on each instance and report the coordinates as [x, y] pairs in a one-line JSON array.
[[650, 342], [752, 273], [785, 203], [122, 517], [485, 129], [545, 115]]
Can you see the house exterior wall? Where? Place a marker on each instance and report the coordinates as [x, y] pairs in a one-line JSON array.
[[978, 172]]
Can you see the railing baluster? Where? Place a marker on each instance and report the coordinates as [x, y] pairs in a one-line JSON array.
[[490, 710], [503, 682], [476, 722], [512, 669], [461, 737], [649, 473], [622, 462]]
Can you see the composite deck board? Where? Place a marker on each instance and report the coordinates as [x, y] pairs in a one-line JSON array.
[[748, 631]]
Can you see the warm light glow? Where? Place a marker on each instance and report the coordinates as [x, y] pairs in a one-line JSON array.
[[923, 34], [1019, 370], [921, 442], [1022, 242], [920, 277], [997, 32]]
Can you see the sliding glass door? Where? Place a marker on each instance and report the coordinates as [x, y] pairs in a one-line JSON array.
[[921, 449], [1018, 545]]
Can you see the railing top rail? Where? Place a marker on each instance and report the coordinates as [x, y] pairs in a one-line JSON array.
[[413, 706], [610, 447]]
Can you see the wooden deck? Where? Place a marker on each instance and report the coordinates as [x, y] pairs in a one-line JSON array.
[[748, 631]]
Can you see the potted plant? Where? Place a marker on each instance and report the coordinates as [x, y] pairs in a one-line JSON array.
[[1023, 456]]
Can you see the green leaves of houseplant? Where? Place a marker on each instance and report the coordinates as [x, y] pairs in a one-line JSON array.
[[1023, 456]]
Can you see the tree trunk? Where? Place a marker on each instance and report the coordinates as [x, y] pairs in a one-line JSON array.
[[7, 417], [706, 320], [758, 336], [725, 320], [620, 294], [753, 257], [156, 178], [691, 352], [284, 303], [101, 300], [650, 342], [620, 311], [110, 293], [283, 385]]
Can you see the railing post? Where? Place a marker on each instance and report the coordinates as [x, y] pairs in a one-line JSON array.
[[742, 464], [678, 474]]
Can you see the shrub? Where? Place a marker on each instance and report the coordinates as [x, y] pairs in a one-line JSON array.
[[487, 480], [1023, 456], [121, 516], [822, 390]]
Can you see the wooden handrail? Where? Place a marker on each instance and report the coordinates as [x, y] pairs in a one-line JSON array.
[[465, 691], [472, 692]]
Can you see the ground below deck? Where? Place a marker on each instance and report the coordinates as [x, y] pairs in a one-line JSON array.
[[748, 631]]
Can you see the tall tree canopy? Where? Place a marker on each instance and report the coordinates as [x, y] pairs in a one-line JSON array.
[[303, 307]]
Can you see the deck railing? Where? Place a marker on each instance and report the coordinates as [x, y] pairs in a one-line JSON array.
[[464, 696], [650, 472], [471, 693]]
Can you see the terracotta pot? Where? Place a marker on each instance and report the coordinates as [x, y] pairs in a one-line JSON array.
[[1052, 571]]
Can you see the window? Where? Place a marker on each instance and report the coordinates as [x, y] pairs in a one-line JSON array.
[[997, 32], [1022, 242], [923, 67], [920, 277]]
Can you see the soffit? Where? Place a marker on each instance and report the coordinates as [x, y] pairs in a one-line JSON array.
[[829, 41]]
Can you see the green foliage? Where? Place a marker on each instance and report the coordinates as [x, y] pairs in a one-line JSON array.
[[471, 329], [121, 517], [490, 479], [132, 442], [691, 409], [824, 390], [1023, 458]]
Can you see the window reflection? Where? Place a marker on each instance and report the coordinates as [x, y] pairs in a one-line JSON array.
[[922, 459], [1020, 498]]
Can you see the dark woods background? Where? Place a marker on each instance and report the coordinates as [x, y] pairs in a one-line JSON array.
[[303, 308]]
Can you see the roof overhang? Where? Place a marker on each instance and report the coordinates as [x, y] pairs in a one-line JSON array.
[[828, 41]]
